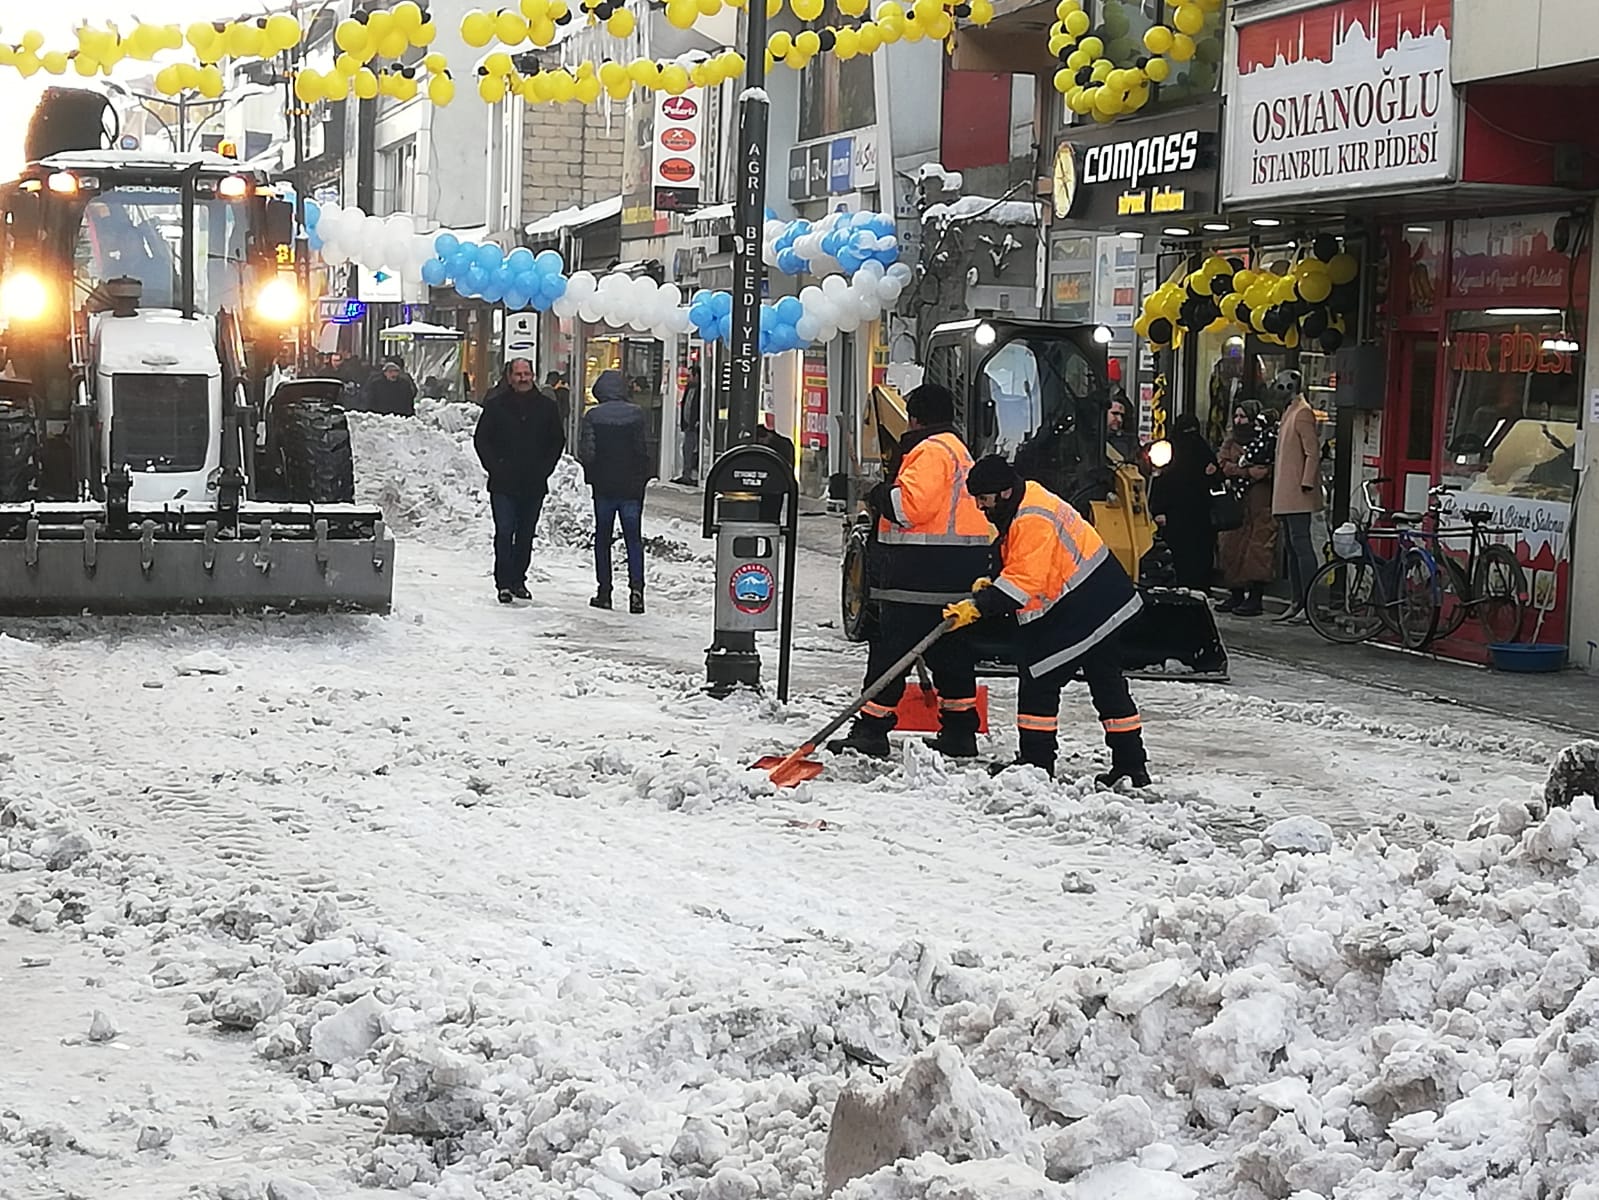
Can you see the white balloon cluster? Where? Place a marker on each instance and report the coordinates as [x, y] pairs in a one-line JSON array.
[[625, 301], [839, 304], [343, 235], [840, 241]]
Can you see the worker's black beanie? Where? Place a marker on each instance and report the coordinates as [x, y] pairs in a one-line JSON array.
[[930, 404], [991, 476]]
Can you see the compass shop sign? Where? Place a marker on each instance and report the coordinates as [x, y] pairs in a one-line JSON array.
[[1110, 179]]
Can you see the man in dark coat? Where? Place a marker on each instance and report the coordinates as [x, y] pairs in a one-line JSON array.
[[390, 391], [688, 422], [519, 440], [613, 446], [555, 384]]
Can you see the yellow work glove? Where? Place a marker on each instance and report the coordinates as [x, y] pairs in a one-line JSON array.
[[979, 584], [963, 613]]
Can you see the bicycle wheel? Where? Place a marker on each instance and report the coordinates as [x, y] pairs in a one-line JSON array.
[[1343, 603], [1456, 598], [1416, 602], [1499, 587]]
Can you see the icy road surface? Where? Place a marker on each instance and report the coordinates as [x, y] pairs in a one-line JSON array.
[[481, 901]]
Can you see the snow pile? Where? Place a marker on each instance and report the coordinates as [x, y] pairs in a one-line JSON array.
[[982, 208]]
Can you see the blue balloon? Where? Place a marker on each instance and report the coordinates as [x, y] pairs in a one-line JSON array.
[[493, 290], [434, 272], [789, 309], [789, 262], [698, 296], [554, 287], [549, 262], [313, 214], [461, 263], [489, 256], [722, 303], [445, 245], [520, 260], [515, 300], [312, 240]]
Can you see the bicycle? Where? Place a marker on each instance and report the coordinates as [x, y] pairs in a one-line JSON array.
[[1355, 596]]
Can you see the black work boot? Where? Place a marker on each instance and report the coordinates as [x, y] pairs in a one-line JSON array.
[[1137, 777], [1233, 603], [1033, 749], [1250, 605], [601, 599], [1127, 760], [957, 734], [635, 600], [868, 736]]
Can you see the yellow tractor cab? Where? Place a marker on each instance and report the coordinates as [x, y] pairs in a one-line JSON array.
[[1038, 393]]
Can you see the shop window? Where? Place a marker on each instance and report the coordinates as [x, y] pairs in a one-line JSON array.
[[836, 96], [1423, 268], [1513, 403], [1122, 26]]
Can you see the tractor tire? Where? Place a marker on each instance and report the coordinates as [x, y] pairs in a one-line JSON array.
[[318, 463], [858, 609], [19, 454]]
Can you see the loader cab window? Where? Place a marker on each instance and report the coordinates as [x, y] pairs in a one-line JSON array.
[[1035, 384], [138, 232]]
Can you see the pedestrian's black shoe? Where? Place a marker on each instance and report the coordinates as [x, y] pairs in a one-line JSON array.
[[505, 595], [1249, 608], [600, 600], [521, 593], [1137, 777], [868, 740], [999, 768], [953, 743], [635, 600], [1233, 603]]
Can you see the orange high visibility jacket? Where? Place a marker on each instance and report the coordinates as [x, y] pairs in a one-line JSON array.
[[932, 540], [931, 506], [1068, 590]]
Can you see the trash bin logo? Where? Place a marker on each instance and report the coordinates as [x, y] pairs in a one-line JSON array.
[[752, 588]]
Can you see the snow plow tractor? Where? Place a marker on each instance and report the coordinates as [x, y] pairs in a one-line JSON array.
[[152, 456], [1038, 393]]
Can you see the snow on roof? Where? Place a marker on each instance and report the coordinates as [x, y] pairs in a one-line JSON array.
[[983, 208], [137, 160], [716, 212], [577, 216], [951, 180], [420, 329]]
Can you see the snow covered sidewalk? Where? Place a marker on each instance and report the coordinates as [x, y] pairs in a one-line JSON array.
[[477, 901]]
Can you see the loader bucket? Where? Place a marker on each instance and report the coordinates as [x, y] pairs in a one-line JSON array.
[[1174, 637], [64, 559]]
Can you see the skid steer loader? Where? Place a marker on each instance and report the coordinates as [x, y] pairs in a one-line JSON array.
[[150, 458], [1037, 392]]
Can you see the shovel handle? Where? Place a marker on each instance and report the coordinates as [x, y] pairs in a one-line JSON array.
[[882, 681]]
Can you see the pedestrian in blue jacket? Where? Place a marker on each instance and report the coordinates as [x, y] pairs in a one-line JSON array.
[[613, 446]]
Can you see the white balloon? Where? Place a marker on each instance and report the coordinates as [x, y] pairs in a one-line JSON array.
[[890, 293], [810, 296], [808, 327], [834, 287], [565, 307], [900, 272], [589, 313], [333, 256], [613, 283], [849, 320], [872, 270]]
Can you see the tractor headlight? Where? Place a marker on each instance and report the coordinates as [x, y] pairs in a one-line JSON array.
[[1160, 453], [279, 301], [984, 334], [23, 296]]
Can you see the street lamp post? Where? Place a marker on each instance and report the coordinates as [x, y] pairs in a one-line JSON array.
[[732, 659]]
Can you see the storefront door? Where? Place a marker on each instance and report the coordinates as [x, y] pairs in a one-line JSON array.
[[1413, 427]]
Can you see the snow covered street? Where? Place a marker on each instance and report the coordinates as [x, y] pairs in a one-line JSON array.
[[482, 901]]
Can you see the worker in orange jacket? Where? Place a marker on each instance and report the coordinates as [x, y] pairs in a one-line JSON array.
[[1064, 597], [931, 541]]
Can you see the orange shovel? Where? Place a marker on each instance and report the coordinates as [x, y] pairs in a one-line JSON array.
[[797, 767]]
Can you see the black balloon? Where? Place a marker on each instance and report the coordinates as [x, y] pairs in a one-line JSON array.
[[1160, 331], [1221, 285], [1063, 56], [1277, 321], [1325, 247], [1085, 76], [565, 18], [1237, 264], [1331, 339], [963, 10], [1244, 314], [827, 38], [1314, 323], [1345, 296]]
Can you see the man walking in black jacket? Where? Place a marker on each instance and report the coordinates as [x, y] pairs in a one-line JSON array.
[[519, 440], [613, 446]]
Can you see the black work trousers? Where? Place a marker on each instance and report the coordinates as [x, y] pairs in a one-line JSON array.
[[1038, 708], [950, 660]]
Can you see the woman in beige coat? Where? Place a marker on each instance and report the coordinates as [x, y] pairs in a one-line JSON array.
[[1296, 483], [1249, 553]]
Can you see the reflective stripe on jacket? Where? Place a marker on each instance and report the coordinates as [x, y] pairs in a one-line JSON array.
[[1048, 550], [931, 506]]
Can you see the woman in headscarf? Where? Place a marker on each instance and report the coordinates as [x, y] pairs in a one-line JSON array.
[[1179, 498], [1249, 553]]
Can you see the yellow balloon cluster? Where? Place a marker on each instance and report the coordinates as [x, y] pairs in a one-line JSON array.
[[1105, 72], [99, 50], [890, 23], [681, 14], [1305, 303], [532, 21], [384, 34], [618, 22], [499, 79], [353, 77]]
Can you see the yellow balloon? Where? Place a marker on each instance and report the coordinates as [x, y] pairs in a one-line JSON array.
[[1189, 19], [210, 84], [854, 8], [365, 83], [588, 90], [1080, 101], [535, 10], [612, 73], [498, 63], [491, 88], [773, 8], [200, 34], [54, 62], [620, 24], [780, 43], [393, 44], [733, 64], [618, 91], [1064, 81], [308, 86], [26, 64], [242, 41], [1343, 268], [510, 28], [808, 10], [541, 33], [405, 88], [350, 36], [645, 73], [407, 15], [709, 8], [84, 65], [891, 30], [188, 77], [1316, 287], [939, 26], [674, 80], [1182, 47], [982, 12], [1157, 39], [335, 87], [1077, 24], [1092, 47], [282, 32], [424, 33], [562, 87], [1101, 70], [808, 44], [436, 63], [680, 14], [846, 44], [477, 29], [166, 81], [1158, 69], [889, 11]]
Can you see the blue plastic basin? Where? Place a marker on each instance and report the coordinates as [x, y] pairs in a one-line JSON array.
[[1542, 656]]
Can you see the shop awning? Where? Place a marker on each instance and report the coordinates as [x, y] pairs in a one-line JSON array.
[[704, 216], [579, 216]]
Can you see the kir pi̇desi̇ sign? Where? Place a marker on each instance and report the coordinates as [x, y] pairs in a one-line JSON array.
[[1349, 96]]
